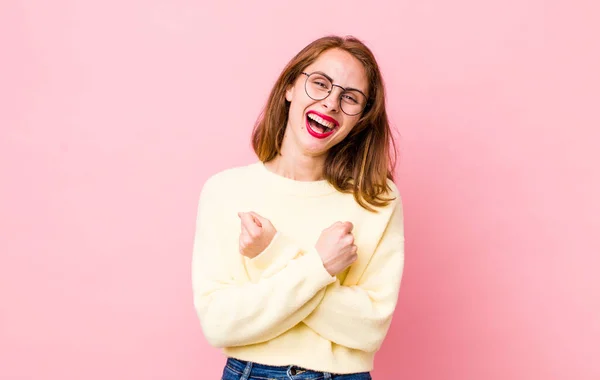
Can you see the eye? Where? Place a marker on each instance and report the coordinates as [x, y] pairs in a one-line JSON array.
[[321, 84], [351, 98]]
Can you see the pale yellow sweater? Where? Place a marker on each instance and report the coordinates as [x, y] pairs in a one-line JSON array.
[[282, 307]]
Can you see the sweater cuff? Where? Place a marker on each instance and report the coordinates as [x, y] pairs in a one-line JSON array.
[[317, 263], [278, 247]]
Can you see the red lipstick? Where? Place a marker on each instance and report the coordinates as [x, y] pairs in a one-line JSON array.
[[318, 134]]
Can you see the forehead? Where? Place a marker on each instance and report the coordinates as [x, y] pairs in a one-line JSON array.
[[342, 67]]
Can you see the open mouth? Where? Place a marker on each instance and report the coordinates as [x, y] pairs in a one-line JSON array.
[[318, 126]]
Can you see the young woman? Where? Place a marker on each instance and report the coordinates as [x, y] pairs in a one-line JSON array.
[[298, 257]]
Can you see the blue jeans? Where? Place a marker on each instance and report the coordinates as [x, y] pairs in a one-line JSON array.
[[241, 370]]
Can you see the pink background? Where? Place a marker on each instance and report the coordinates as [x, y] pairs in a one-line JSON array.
[[114, 113]]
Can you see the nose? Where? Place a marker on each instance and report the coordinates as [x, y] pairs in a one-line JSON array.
[[332, 102]]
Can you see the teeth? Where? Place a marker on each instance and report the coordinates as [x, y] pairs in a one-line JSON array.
[[320, 120]]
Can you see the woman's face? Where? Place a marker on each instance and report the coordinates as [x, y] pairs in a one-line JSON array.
[[311, 137]]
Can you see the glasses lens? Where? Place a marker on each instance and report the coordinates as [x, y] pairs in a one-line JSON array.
[[353, 102], [318, 86]]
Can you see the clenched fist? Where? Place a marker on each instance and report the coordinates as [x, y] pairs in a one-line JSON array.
[[256, 235], [336, 247]]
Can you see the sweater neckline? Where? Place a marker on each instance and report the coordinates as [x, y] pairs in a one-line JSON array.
[[291, 186]]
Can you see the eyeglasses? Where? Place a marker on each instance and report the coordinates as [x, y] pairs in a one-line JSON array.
[[318, 86]]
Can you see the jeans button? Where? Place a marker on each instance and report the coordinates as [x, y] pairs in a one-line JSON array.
[[293, 371]]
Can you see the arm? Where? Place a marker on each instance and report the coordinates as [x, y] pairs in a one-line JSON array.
[[359, 316], [236, 312], [368, 304]]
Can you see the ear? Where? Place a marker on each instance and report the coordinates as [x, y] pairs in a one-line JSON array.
[[289, 92]]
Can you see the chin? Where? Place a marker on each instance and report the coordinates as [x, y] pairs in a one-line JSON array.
[[311, 146]]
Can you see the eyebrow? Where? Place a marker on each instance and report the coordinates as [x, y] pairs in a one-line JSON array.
[[345, 88]]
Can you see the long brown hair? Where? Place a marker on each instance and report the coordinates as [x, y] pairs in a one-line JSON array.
[[361, 163]]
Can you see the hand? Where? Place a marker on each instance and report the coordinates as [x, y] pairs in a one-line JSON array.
[[336, 247], [257, 233]]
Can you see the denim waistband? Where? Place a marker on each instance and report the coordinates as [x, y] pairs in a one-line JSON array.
[[255, 371]]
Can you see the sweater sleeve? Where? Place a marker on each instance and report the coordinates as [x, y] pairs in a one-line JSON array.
[[274, 258], [371, 302], [234, 311]]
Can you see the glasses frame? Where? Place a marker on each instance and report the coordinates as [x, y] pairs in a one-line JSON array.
[[330, 91]]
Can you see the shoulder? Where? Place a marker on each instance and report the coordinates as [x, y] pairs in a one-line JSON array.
[[389, 199], [392, 189], [395, 207], [227, 180], [393, 193], [393, 212], [233, 176]]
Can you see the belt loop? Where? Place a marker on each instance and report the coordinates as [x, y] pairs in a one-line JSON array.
[[326, 375], [247, 371]]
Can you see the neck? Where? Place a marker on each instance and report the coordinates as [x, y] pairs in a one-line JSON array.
[[297, 167]]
